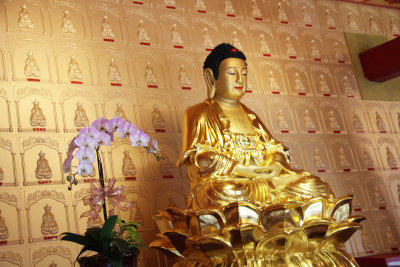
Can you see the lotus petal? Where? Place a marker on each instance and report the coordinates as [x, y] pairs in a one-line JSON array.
[[281, 218], [218, 251], [241, 213]]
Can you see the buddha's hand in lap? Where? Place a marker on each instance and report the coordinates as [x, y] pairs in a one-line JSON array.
[[257, 172]]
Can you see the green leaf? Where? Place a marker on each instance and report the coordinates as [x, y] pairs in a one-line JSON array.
[[79, 239], [93, 232], [108, 226]]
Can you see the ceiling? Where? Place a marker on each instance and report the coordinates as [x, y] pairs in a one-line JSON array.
[[381, 3]]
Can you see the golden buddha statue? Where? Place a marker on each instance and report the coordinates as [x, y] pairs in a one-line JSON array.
[[43, 170], [243, 191], [37, 118], [3, 228], [49, 224], [128, 168]]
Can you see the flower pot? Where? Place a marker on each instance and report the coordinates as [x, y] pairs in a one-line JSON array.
[[128, 260]]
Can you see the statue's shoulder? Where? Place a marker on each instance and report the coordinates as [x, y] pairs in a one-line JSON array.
[[202, 109]]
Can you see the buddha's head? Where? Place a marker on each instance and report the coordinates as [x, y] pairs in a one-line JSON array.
[[225, 72]]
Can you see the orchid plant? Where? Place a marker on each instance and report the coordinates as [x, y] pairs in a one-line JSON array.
[[88, 142], [116, 237]]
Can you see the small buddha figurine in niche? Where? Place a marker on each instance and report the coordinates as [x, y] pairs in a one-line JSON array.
[[206, 154], [391, 161], [120, 112], [106, 30], [165, 165], [200, 5], [31, 67], [256, 12], [136, 214], [37, 118], [298, 84], [282, 123], [176, 37], [169, 2], [183, 77], [333, 123], [149, 74], [264, 47], [338, 52], [142, 32], [380, 124], [344, 162], [66, 25], [171, 202], [128, 168], [366, 242], [318, 162], [43, 170], [380, 201], [314, 50], [281, 13], [113, 71], [351, 21], [49, 224], [94, 222], [357, 123], [393, 26], [323, 85], [3, 228], [1, 174], [347, 86], [207, 42], [80, 119], [74, 71], [273, 85], [228, 7], [24, 19], [158, 120], [290, 50], [308, 122], [236, 40], [389, 236], [366, 157], [306, 16], [329, 19], [373, 26]]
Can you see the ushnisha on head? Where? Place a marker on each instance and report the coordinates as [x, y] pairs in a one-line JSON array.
[[225, 73]]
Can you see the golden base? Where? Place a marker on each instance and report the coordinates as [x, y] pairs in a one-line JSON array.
[[242, 234]]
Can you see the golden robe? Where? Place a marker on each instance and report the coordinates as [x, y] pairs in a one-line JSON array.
[[206, 133]]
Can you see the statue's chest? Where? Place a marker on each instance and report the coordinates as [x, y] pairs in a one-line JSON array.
[[239, 121]]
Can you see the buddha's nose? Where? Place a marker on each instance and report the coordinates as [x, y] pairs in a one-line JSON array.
[[239, 78]]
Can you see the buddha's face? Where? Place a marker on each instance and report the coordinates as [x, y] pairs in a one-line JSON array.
[[232, 79]]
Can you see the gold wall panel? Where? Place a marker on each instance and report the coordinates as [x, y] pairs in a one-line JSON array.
[[63, 63]]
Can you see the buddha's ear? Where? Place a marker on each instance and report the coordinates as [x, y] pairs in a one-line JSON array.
[[210, 82]]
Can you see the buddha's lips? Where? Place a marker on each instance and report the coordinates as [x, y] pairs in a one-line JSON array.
[[239, 87]]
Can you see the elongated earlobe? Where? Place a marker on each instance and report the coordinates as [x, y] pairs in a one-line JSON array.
[[210, 82]]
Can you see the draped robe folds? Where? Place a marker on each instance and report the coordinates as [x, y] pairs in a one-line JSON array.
[[206, 134]]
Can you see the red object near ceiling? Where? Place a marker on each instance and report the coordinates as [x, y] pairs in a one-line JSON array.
[[382, 62]]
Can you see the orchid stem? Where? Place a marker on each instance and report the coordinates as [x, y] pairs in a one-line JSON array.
[[101, 178]]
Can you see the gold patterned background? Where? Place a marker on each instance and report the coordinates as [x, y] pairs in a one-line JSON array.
[[66, 62]]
